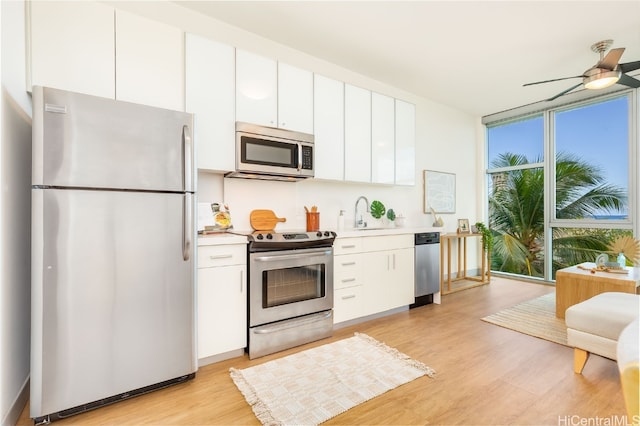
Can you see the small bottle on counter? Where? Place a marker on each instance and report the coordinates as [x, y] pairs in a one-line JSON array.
[[621, 260], [341, 220]]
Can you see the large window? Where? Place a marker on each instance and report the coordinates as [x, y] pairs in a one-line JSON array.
[[566, 207]]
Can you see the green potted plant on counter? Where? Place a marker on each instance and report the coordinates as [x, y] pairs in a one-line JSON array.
[[377, 211]]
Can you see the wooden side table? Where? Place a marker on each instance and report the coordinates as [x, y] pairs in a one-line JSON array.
[[485, 269], [575, 284]]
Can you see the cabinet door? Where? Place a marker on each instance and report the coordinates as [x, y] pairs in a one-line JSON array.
[[405, 143], [295, 98], [256, 89], [388, 281], [347, 303], [400, 287], [382, 139], [222, 310], [357, 134], [149, 62], [72, 47], [328, 123], [210, 96]]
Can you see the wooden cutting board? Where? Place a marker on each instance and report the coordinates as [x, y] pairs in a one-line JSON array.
[[264, 220]]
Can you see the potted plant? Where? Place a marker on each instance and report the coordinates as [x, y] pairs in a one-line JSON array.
[[487, 236], [377, 210], [391, 215]]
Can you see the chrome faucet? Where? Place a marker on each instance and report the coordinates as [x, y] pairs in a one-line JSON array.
[[360, 223]]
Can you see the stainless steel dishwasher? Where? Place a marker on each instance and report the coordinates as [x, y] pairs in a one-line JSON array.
[[427, 267]]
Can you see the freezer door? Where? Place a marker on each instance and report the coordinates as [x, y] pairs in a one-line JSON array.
[[91, 142], [113, 297]]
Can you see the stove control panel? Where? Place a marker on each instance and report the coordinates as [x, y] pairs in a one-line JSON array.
[[292, 237]]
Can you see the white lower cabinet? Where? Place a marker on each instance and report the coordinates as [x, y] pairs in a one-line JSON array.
[[347, 304], [222, 299], [347, 285], [389, 280], [372, 275]]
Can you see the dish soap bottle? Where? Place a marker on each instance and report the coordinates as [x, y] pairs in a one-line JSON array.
[[621, 260], [341, 220]]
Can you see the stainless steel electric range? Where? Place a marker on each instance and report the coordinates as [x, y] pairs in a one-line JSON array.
[[290, 289]]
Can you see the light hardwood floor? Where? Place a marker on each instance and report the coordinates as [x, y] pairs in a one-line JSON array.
[[485, 375]]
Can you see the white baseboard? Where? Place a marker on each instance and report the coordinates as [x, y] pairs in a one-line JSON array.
[[13, 414]]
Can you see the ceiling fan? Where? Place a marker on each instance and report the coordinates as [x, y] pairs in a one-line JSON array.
[[605, 73]]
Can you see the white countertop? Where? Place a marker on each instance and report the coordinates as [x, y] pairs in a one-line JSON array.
[[371, 232], [221, 238]]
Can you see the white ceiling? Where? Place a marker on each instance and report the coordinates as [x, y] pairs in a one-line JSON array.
[[471, 55]]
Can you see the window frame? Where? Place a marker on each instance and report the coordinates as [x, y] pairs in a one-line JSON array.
[[632, 222]]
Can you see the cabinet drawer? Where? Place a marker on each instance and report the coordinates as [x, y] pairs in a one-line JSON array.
[[347, 271], [347, 304], [387, 242], [209, 256], [347, 246]]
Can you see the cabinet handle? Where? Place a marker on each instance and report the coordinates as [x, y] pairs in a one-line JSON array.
[[349, 296], [348, 280], [394, 261], [348, 263], [348, 246], [220, 256], [241, 281]]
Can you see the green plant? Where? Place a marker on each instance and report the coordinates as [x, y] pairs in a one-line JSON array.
[[377, 209], [487, 236], [391, 215]]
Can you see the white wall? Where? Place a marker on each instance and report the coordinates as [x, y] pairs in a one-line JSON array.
[[15, 213]]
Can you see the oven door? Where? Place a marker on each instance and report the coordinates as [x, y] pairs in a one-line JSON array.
[[289, 283]]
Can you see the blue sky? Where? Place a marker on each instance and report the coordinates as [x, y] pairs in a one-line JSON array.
[[596, 133]]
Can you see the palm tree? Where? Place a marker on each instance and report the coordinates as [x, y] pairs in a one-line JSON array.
[[516, 214]]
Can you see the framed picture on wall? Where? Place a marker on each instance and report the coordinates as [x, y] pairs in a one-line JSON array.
[[439, 192]]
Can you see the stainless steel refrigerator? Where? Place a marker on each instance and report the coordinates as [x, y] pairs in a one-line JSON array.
[[112, 251]]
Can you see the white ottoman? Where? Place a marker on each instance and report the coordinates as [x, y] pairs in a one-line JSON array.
[[593, 326]]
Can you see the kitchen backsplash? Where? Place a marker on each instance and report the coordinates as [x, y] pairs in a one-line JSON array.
[[288, 199]]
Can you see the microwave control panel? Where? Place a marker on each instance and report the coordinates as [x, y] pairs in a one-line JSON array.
[[307, 157]]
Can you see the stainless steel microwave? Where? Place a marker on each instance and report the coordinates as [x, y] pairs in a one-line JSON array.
[[272, 154]]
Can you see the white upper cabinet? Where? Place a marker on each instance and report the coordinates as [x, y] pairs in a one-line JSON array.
[[256, 89], [328, 110], [382, 139], [295, 98], [357, 132], [149, 62], [72, 47], [273, 94], [405, 143], [210, 96]]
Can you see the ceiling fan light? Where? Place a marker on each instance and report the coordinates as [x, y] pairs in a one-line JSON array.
[[601, 79]]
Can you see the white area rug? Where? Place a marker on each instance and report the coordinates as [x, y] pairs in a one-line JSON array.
[[312, 386]]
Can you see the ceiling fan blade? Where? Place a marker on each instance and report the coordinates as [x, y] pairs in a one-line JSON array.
[[630, 66], [555, 79], [610, 61], [627, 80], [564, 92]]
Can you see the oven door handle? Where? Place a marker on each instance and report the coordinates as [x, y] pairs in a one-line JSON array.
[[274, 257], [321, 316]]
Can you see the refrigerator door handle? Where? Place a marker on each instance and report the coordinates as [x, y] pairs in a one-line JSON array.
[[187, 152], [187, 222]]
